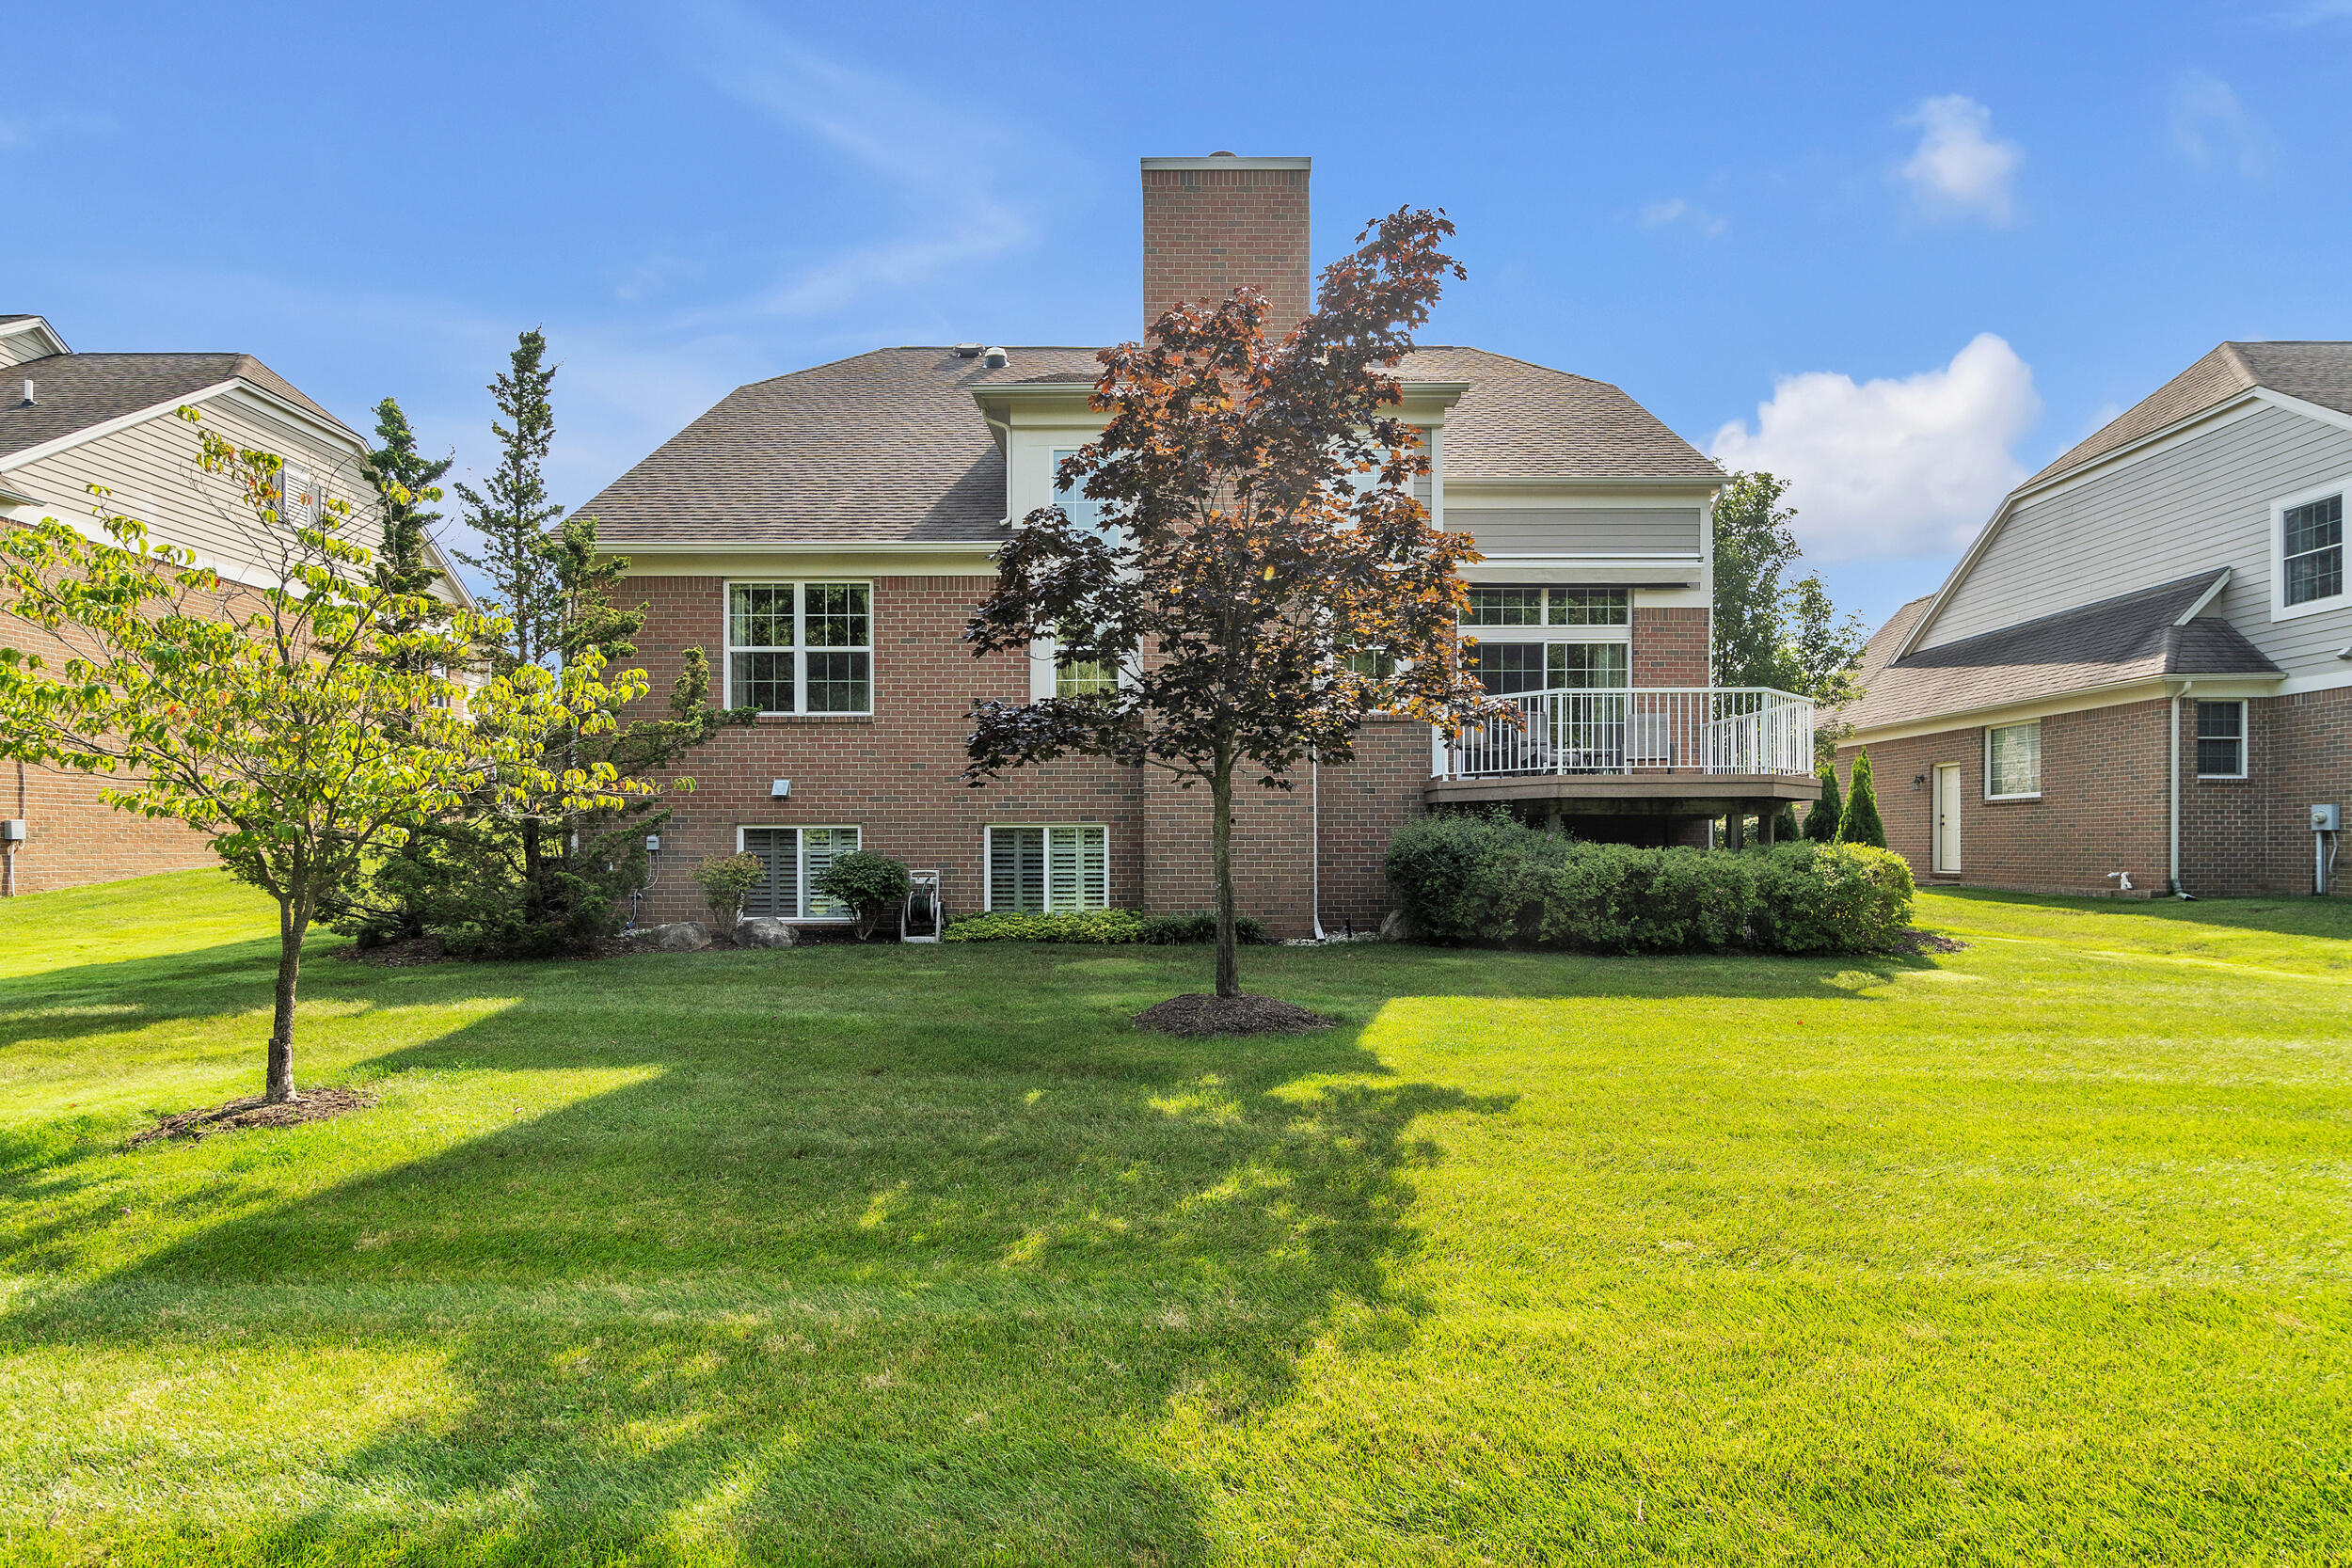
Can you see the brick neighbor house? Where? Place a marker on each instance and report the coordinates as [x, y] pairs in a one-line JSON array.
[[825, 535], [70, 421], [2143, 666]]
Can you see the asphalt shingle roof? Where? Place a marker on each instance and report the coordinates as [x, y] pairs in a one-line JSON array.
[[74, 391], [2131, 637], [2319, 373], [888, 447]]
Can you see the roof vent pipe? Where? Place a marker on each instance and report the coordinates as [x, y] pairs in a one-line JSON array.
[[29, 399], [995, 358]]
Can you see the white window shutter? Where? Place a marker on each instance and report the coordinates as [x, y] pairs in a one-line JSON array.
[[297, 504]]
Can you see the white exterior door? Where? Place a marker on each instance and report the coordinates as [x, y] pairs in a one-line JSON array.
[[1947, 820]]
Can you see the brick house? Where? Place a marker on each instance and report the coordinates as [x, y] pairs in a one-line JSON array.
[[2143, 666], [72, 421], [823, 536]]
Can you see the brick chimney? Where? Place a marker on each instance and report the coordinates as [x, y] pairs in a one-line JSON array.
[[1212, 224]]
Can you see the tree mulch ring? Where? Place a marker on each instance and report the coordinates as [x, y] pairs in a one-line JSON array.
[[1200, 1013], [313, 1105], [1916, 941]]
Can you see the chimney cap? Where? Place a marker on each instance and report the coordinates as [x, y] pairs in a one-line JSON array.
[[1226, 160]]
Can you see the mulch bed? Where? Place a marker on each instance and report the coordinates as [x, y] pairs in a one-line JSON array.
[[1915, 941], [314, 1105], [1200, 1013]]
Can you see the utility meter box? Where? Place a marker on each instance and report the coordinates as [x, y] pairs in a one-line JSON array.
[[12, 830], [2326, 819]]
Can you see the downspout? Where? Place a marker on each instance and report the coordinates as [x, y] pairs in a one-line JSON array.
[[2178, 890], [1314, 844]]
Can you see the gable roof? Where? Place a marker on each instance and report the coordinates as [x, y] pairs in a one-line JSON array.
[[77, 391], [2132, 636], [889, 447], [2316, 372]]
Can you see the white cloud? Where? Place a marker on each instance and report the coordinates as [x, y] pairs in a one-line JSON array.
[[1959, 169], [1892, 468], [971, 188], [1666, 213], [2210, 126]]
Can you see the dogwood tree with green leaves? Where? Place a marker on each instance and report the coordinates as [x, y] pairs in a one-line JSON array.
[[297, 725]]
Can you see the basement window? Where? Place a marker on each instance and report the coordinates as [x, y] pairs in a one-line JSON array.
[[2012, 762], [1054, 870], [2221, 740], [790, 859]]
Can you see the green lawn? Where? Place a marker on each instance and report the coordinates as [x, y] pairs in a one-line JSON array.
[[2034, 1253]]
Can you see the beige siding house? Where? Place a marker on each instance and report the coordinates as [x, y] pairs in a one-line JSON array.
[[68, 421], [2141, 672]]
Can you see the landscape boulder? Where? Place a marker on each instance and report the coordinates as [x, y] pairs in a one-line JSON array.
[[685, 936], [1396, 925], [764, 933]]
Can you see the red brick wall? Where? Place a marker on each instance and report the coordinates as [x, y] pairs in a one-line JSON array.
[[1670, 645], [72, 836], [2106, 800], [1207, 233]]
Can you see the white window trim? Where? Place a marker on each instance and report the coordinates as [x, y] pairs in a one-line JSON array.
[[800, 645], [800, 831], [988, 862], [2034, 794], [2245, 735], [2279, 609]]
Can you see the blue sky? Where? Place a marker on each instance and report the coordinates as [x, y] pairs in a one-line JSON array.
[[1904, 256]]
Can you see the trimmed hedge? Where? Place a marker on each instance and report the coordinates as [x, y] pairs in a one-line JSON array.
[[1249, 930], [1093, 926], [1492, 879]]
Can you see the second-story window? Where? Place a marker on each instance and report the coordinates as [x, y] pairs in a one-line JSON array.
[[801, 647], [2313, 553]]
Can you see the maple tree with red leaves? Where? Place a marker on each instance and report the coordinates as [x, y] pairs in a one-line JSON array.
[[1259, 573]]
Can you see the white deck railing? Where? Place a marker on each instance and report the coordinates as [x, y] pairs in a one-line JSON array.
[[1718, 729]]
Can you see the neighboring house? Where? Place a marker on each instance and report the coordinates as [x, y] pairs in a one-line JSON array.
[[825, 536], [71, 421], [2144, 663]]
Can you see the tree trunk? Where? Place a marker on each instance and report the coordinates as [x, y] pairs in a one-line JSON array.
[[534, 893], [1221, 797], [294, 923]]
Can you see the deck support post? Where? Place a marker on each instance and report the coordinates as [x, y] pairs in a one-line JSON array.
[[1764, 820], [1736, 827]]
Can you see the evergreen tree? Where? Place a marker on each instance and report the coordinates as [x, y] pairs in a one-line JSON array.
[[513, 514], [406, 483], [1822, 822], [1861, 824]]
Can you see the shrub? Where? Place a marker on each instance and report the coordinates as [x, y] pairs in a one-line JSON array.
[[725, 880], [1092, 926], [1490, 880], [871, 884], [1166, 930], [1462, 878], [1830, 898], [1861, 824], [1821, 823]]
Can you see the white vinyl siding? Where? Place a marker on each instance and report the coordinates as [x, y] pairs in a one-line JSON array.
[[801, 647], [2221, 740], [2202, 505], [150, 468], [792, 859], [1051, 868], [2012, 762]]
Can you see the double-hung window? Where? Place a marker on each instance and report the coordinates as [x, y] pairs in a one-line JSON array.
[[2012, 762], [801, 647], [791, 859], [2307, 560], [2221, 740], [1051, 869]]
